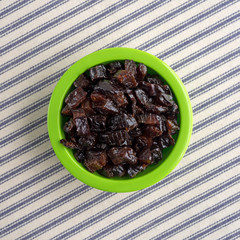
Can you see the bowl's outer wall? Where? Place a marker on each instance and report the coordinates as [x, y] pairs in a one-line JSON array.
[[152, 174]]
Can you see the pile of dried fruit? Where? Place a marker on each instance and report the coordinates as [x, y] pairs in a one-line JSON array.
[[120, 119]]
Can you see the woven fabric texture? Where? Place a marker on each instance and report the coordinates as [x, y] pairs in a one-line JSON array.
[[199, 40]]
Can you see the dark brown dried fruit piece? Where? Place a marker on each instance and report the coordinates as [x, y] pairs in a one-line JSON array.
[[125, 78], [95, 160], [97, 72], [117, 138], [123, 121], [75, 97], [81, 81], [122, 155]]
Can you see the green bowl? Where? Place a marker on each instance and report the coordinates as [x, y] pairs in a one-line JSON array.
[[171, 155]]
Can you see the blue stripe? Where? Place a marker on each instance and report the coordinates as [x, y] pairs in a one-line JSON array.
[[226, 76], [226, 112], [198, 217], [153, 24], [31, 181], [147, 208], [24, 149], [213, 137], [215, 99], [186, 24], [191, 203], [52, 187], [22, 131], [25, 111], [212, 65], [53, 205], [64, 35], [208, 49], [14, 7], [31, 16], [32, 89], [80, 45], [49, 25], [200, 35], [121, 204], [27, 165], [76, 47], [231, 236], [213, 227]]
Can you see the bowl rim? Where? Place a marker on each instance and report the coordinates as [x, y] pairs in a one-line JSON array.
[[55, 131]]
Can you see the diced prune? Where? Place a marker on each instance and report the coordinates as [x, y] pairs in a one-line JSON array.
[[171, 139], [125, 78], [86, 105], [66, 111], [102, 146], [102, 104], [163, 141], [78, 113], [167, 89], [143, 142], [164, 100], [111, 170], [145, 156], [95, 160], [132, 100], [172, 126], [97, 123], [156, 154], [141, 72], [141, 96], [152, 131], [97, 72], [81, 81], [81, 122], [121, 155], [114, 67], [156, 108], [69, 144], [75, 97], [135, 169], [117, 138], [123, 121], [154, 80], [150, 88], [113, 92], [120, 99], [131, 67], [107, 171], [79, 156], [136, 132], [149, 118], [106, 87], [119, 170], [69, 127], [87, 142], [173, 112]]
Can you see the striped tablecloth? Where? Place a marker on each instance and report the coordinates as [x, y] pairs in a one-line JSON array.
[[40, 40]]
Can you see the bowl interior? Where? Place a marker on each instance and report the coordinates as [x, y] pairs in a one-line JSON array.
[[171, 155]]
